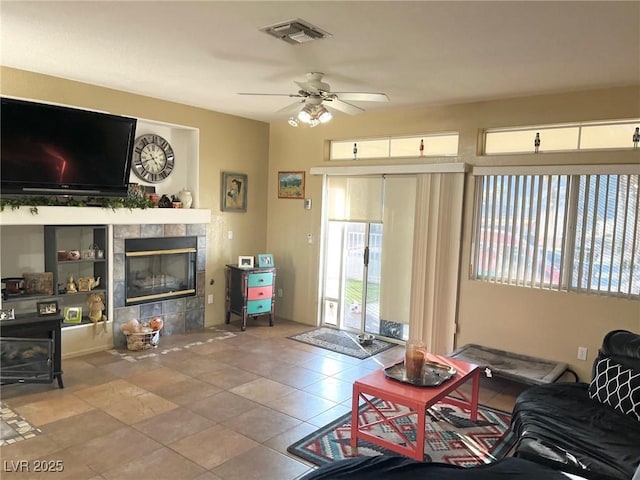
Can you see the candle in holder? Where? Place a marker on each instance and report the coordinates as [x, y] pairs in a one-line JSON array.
[[415, 351]]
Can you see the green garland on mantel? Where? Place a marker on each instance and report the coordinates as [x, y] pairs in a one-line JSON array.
[[113, 203]]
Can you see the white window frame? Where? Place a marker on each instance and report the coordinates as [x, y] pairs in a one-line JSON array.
[[579, 127], [361, 144], [557, 248]]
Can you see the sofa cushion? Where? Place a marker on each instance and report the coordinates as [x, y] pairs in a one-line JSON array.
[[559, 425], [402, 468], [617, 387]]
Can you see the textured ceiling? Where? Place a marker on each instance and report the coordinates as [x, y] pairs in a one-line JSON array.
[[418, 53]]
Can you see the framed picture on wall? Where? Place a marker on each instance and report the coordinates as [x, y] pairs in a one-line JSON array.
[[233, 192], [291, 185]]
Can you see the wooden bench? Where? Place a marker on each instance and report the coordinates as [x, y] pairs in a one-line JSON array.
[[513, 366]]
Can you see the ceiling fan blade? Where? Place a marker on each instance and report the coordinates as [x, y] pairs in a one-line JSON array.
[[273, 94], [362, 96], [344, 106], [291, 107]]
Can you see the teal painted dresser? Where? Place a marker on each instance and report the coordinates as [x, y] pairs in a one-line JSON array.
[[250, 292]]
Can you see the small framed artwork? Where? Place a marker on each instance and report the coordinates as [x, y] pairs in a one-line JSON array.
[[233, 192], [291, 185], [47, 308], [245, 262], [83, 285], [265, 260], [7, 314], [73, 314]]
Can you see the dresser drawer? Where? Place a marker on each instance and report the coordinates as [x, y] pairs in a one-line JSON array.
[[259, 306], [260, 279], [259, 293]]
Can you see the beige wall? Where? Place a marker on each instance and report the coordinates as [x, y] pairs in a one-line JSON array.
[[548, 324], [227, 143], [541, 323]]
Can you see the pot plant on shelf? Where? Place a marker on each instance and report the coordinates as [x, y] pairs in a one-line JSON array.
[[113, 203]]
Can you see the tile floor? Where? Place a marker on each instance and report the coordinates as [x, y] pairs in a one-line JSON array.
[[213, 404]]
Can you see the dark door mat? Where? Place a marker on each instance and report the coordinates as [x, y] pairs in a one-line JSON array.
[[341, 342]]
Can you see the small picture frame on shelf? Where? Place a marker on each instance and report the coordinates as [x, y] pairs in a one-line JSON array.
[[245, 261], [84, 284], [7, 314], [265, 260], [73, 314], [47, 308]]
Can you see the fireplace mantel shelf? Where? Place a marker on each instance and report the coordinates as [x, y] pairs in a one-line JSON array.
[[97, 215]]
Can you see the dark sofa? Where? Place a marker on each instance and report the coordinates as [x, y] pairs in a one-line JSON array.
[[403, 468], [589, 429]]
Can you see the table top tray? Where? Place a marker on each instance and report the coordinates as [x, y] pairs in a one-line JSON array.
[[434, 374]]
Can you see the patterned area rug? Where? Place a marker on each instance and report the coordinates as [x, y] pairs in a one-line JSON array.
[[451, 437], [342, 342]]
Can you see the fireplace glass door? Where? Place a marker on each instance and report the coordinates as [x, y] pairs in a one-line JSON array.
[[160, 269], [26, 360]]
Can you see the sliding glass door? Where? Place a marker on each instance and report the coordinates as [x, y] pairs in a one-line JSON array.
[[367, 262], [352, 281]]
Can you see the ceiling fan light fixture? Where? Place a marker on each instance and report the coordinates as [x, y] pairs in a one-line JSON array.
[[323, 115], [306, 114], [292, 121]]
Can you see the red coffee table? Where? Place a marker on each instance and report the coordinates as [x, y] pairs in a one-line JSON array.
[[418, 399]]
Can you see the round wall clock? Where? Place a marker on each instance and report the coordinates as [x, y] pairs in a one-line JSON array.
[[153, 158]]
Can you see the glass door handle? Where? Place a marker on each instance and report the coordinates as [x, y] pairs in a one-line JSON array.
[[366, 256]]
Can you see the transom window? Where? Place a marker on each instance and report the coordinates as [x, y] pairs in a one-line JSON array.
[[562, 138], [431, 145], [561, 232]]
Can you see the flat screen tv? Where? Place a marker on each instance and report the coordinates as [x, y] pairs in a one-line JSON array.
[[54, 150]]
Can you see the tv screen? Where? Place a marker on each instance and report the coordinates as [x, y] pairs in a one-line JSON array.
[[53, 150]]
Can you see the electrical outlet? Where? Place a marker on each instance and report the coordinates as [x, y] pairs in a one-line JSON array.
[[582, 353], [210, 298], [280, 292], [310, 238], [230, 235]]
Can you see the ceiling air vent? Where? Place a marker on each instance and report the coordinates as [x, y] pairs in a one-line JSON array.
[[295, 32]]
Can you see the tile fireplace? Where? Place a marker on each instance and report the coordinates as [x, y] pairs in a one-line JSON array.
[[171, 285]]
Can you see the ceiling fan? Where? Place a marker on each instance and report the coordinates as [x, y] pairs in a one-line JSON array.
[[315, 95]]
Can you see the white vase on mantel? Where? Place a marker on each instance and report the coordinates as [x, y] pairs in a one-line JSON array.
[[185, 197]]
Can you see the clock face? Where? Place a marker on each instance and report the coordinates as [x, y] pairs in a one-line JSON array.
[[153, 158]]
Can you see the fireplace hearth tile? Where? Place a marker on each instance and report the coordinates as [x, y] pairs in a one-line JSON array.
[[174, 323], [13, 427], [118, 267], [175, 230], [174, 306], [151, 230], [126, 231], [149, 310], [118, 295], [194, 319], [194, 302], [199, 229]]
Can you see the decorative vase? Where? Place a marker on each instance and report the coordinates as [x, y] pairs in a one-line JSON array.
[[186, 198]]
